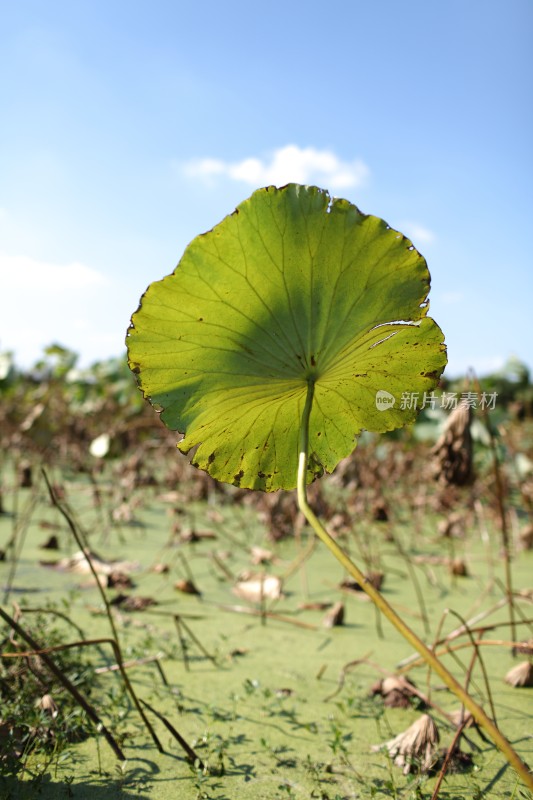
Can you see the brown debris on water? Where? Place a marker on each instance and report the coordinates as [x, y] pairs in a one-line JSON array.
[[458, 567], [397, 692], [523, 648], [256, 587], [161, 569], [25, 475], [128, 602], [187, 587], [315, 606], [193, 536], [78, 563], [458, 762], [260, 555], [52, 543], [379, 510], [335, 616], [520, 676], [452, 526], [284, 692], [119, 580], [415, 747], [374, 577]]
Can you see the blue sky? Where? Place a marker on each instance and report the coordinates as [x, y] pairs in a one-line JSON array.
[[127, 128]]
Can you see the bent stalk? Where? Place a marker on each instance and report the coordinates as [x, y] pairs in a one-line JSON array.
[[429, 657]]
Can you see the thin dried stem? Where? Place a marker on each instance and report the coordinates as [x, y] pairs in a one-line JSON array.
[[191, 755], [85, 549], [449, 753], [477, 655], [52, 666], [429, 657], [501, 511]]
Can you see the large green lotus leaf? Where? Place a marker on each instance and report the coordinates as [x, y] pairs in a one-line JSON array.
[[292, 287]]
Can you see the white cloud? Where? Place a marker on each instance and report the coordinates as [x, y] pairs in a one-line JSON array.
[[418, 234], [289, 164], [29, 274], [43, 302]]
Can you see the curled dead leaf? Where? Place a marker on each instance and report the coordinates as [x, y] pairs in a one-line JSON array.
[[317, 606], [335, 616], [520, 676], [186, 586], [48, 704], [458, 567], [129, 602], [78, 563], [119, 580], [375, 578], [261, 555], [238, 652], [52, 543], [254, 587], [414, 747], [397, 691]]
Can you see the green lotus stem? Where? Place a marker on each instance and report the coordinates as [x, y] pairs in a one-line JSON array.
[[429, 657]]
